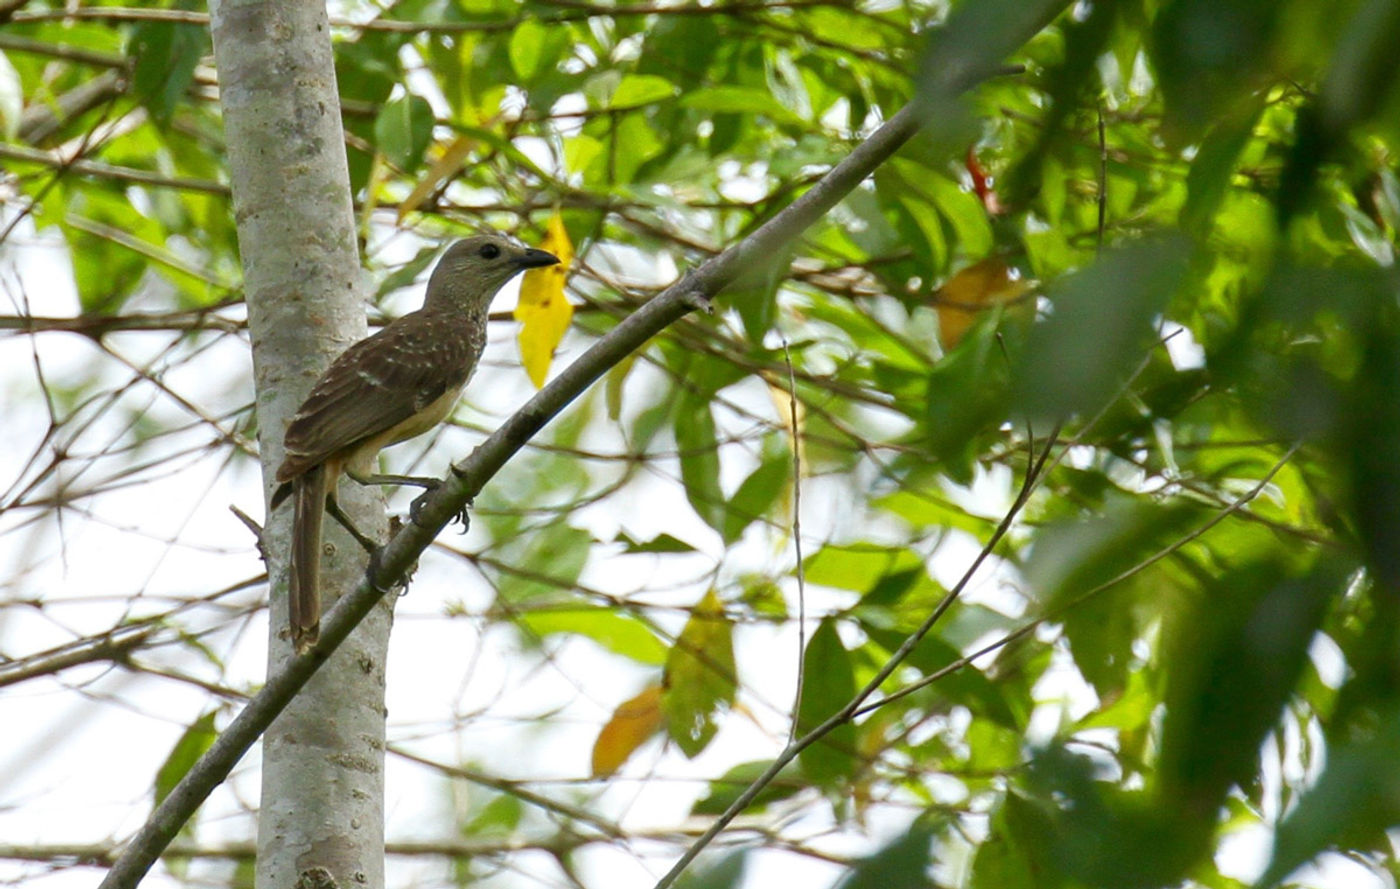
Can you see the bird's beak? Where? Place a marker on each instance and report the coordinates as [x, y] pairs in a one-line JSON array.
[[536, 259]]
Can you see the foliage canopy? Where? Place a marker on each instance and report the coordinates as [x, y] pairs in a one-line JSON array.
[[1123, 318]]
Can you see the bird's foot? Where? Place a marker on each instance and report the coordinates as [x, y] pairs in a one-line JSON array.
[[376, 564], [415, 509]]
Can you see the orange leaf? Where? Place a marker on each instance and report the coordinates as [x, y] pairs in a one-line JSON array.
[[632, 724], [971, 291], [543, 311]]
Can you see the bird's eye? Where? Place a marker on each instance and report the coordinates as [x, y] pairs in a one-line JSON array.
[[489, 251]]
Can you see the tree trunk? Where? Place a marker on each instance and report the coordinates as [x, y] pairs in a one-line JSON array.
[[322, 806]]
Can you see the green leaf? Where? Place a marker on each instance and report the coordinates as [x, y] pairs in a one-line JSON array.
[[757, 496], [924, 508], [757, 308], [641, 89], [1079, 831], [965, 214], [618, 632], [403, 129], [903, 864], [764, 597], [828, 684], [1372, 444], [580, 152], [871, 231], [993, 747], [106, 271], [1001, 860], [1236, 661], [695, 436], [1100, 329], [1130, 710], [1212, 169], [498, 818], [931, 246], [193, 744], [858, 566], [727, 788], [1206, 80], [632, 145], [726, 873], [166, 55], [1351, 806], [528, 43], [700, 681], [406, 274], [739, 100], [1362, 75], [553, 557], [661, 543], [969, 395], [968, 687], [1071, 559]]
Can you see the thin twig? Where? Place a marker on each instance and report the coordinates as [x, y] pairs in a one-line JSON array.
[[113, 646], [797, 543], [1103, 184]]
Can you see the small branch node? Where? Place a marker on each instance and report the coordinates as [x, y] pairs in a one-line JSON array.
[[698, 300], [253, 527]]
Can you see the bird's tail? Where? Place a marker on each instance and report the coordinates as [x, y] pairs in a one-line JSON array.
[[304, 606]]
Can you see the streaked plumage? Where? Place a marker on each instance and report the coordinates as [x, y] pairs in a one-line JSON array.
[[392, 386]]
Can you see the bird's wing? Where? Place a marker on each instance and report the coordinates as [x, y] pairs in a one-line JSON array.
[[374, 386]]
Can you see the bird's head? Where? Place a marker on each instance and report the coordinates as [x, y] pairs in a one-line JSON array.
[[474, 268]]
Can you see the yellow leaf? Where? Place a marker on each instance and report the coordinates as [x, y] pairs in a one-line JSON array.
[[632, 724], [976, 288], [543, 311]]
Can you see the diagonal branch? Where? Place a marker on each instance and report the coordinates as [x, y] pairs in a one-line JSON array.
[[469, 477]]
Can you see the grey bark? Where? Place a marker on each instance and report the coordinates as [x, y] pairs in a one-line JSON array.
[[321, 814]]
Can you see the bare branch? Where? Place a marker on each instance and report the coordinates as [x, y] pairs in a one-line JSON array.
[[110, 171], [577, 12], [113, 646]]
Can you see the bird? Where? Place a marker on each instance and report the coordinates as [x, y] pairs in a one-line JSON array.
[[384, 389]]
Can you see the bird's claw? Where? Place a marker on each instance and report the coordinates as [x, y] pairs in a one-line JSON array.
[[376, 556], [415, 510]]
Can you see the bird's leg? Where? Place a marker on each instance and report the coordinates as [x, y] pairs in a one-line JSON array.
[[415, 509], [364, 540], [375, 551], [416, 481]]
